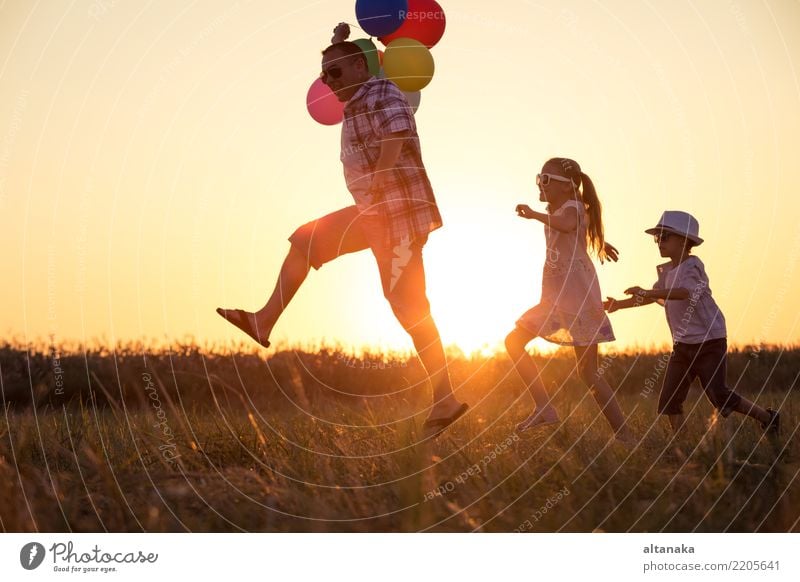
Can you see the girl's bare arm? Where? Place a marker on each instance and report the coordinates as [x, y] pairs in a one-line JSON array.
[[566, 222]]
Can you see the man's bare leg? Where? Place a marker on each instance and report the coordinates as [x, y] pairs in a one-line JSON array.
[[293, 272], [429, 348]]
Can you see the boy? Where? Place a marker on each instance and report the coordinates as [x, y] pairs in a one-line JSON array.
[[696, 322]]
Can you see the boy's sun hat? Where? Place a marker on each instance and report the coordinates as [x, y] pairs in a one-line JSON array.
[[680, 223]]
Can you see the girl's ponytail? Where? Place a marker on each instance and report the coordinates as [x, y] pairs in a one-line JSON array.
[[595, 237]]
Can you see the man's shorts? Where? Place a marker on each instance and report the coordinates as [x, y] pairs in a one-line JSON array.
[[401, 268], [707, 361]]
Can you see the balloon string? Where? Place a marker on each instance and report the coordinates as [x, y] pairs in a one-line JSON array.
[[358, 27]]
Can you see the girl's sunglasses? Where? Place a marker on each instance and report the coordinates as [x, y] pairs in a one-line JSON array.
[[544, 179], [662, 236], [333, 72]]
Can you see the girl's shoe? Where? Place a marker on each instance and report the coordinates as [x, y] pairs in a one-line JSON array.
[[538, 419]]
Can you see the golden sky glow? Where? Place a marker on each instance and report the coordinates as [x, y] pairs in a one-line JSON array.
[[154, 157]]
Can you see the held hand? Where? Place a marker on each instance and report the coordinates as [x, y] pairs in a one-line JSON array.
[[611, 252], [524, 211], [610, 305], [636, 291], [340, 33]]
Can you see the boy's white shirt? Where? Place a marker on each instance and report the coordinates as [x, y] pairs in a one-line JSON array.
[[696, 319]]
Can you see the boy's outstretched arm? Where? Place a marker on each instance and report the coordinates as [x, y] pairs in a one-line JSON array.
[[640, 296], [656, 294]]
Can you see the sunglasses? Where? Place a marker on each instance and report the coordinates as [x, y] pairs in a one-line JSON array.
[[544, 179], [661, 236], [333, 72]]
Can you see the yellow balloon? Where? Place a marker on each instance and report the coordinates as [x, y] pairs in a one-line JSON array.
[[408, 63]]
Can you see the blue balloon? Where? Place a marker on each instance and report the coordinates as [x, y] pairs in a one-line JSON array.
[[381, 17]]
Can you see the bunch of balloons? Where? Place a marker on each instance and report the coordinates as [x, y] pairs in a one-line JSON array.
[[408, 29]]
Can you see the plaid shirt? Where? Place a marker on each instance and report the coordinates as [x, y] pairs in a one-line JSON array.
[[377, 110]]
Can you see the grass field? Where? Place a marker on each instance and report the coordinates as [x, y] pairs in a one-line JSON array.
[[192, 440]]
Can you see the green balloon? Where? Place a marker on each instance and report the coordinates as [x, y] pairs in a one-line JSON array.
[[371, 52]]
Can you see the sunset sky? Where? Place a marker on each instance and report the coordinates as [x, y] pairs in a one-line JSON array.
[[155, 156]]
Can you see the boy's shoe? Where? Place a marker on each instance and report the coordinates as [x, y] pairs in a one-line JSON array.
[[774, 424]]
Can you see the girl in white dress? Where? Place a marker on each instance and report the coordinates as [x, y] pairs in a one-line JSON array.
[[570, 312]]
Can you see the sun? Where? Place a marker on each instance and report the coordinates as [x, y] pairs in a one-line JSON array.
[[477, 292]]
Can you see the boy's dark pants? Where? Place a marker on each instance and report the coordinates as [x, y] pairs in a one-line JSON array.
[[708, 361]]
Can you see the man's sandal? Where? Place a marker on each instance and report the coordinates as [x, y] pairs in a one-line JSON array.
[[242, 321]]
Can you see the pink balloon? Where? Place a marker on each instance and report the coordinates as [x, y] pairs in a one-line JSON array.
[[323, 105]]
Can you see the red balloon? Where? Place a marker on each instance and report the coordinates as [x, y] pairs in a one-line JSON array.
[[424, 22]]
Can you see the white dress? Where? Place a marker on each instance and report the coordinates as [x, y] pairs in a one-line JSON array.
[[570, 312]]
